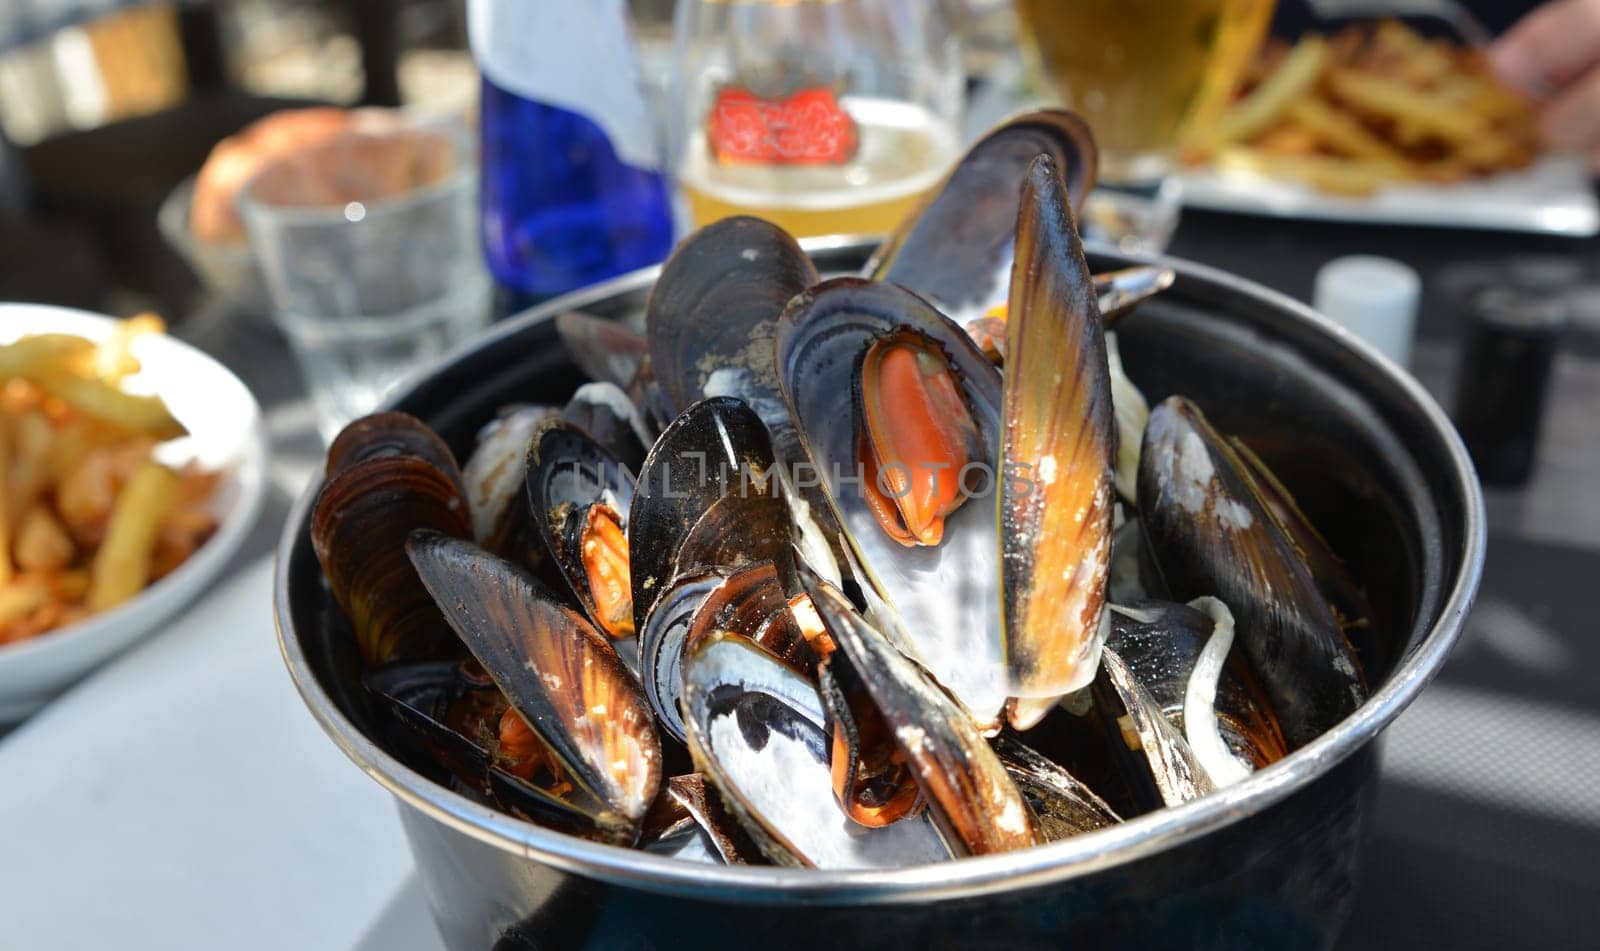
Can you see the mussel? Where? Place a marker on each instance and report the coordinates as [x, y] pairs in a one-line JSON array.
[[757, 729], [946, 596], [560, 674], [605, 350], [495, 480], [1057, 452], [1350, 605], [709, 479], [388, 475], [970, 795], [712, 324], [870, 557], [956, 248], [872, 780], [612, 420], [580, 496], [1169, 650], [1210, 533], [1062, 804]]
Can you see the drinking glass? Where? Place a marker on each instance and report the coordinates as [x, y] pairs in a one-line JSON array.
[[1142, 73], [822, 116], [369, 247]]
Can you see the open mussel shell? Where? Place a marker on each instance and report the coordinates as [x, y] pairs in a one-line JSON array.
[[444, 720], [662, 641], [717, 449], [1338, 586], [1057, 486], [606, 413], [1151, 748], [580, 496], [871, 779], [711, 321], [1119, 292], [757, 730], [495, 481], [722, 831], [559, 673], [738, 530], [1211, 534], [1161, 643], [750, 601], [969, 793], [1063, 805], [946, 597], [710, 316], [433, 708], [955, 249], [359, 525], [605, 350], [1132, 412]]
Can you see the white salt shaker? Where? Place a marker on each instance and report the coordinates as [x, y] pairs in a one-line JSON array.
[[1374, 298]]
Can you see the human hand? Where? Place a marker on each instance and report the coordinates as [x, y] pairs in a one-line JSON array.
[[1553, 55]]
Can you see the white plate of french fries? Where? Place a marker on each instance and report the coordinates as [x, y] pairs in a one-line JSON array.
[[1378, 123], [131, 469]]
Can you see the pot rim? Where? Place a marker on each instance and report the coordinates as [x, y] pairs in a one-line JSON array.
[[968, 877]]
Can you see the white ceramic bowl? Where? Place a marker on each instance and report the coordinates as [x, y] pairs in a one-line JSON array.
[[225, 433]]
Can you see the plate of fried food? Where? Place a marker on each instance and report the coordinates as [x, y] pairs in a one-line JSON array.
[[131, 469], [1379, 123]]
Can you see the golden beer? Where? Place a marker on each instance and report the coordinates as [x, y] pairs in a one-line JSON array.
[[903, 152], [1142, 71]]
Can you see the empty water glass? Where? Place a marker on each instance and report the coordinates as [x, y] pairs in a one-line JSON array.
[[369, 247]]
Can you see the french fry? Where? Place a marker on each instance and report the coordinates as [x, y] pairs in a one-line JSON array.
[[113, 358], [1354, 178], [142, 414], [1388, 99], [30, 446], [1387, 106], [121, 568], [87, 518], [67, 585], [42, 352], [18, 600], [41, 543], [6, 569], [1342, 134], [1288, 139], [1300, 71], [1419, 62]]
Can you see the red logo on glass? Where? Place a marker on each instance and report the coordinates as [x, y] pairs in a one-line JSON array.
[[807, 128]]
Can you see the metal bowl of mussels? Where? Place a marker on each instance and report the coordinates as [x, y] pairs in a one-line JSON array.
[[1110, 673]]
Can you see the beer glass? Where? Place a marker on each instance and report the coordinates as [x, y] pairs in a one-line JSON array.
[[1142, 72], [822, 116]]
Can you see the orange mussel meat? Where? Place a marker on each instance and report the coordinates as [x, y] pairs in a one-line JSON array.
[[917, 436]]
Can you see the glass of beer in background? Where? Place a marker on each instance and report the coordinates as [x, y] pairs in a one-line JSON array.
[[822, 116], [1142, 73]]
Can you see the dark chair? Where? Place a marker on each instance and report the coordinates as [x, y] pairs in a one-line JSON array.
[[107, 183]]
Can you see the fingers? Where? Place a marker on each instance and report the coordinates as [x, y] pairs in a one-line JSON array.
[[1572, 119], [1549, 48]]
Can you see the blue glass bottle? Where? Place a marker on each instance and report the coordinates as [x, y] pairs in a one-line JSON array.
[[560, 209]]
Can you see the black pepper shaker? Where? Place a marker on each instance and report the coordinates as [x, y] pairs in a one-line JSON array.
[[1504, 379]]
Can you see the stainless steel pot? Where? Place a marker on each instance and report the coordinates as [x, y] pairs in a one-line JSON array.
[[1270, 862]]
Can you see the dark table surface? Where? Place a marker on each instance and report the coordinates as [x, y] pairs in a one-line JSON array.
[[1487, 829]]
